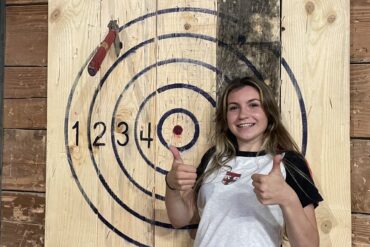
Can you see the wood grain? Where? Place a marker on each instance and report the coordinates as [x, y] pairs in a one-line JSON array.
[[23, 207], [22, 222], [360, 127], [136, 167], [360, 175], [360, 100], [315, 44], [26, 35], [75, 29], [25, 113], [15, 234], [253, 29], [203, 51], [25, 82], [360, 31], [24, 158], [360, 230]]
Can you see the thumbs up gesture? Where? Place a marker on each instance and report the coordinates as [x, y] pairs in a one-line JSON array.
[[181, 176], [271, 188]]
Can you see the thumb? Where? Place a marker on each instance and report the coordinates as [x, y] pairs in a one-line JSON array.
[[276, 164], [176, 153]]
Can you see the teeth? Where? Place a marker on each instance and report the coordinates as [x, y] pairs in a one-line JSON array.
[[246, 125]]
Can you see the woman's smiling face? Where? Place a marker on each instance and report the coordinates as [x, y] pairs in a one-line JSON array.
[[246, 118]]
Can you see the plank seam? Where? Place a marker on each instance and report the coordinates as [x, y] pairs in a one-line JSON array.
[[366, 138], [281, 52], [26, 98], [35, 192], [25, 66], [360, 63], [360, 213], [25, 4]]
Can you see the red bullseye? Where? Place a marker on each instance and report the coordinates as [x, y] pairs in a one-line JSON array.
[[177, 130]]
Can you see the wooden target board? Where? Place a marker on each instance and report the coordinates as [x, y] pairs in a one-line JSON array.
[[108, 134]]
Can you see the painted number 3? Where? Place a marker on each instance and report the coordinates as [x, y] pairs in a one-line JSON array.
[[125, 137]]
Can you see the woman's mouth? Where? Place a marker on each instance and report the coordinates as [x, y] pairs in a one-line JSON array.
[[245, 125]]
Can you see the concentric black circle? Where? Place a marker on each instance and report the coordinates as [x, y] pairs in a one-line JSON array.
[[158, 92], [128, 53], [187, 113]]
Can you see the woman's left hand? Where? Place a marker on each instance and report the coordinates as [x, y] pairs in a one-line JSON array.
[[272, 189]]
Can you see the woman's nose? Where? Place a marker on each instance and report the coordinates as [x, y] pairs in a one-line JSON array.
[[244, 112]]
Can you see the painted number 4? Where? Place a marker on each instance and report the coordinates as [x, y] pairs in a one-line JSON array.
[[148, 139]]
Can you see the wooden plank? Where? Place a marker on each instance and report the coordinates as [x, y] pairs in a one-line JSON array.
[[360, 100], [25, 82], [253, 29], [360, 175], [22, 207], [194, 25], [26, 35], [25, 113], [114, 212], [22, 2], [74, 31], [127, 158], [24, 159], [360, 31], [360, 230], [315, 44], [16, 234], [22, 222]]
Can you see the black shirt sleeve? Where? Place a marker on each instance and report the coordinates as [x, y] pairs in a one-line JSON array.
[[298, 176], [204, 161]]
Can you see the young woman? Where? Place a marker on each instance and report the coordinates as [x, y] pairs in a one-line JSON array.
[[256, 186]]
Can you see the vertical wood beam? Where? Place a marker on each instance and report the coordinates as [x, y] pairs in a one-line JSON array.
[[2, 52], [253, 29]]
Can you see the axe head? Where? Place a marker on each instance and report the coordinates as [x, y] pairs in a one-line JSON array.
[[113, 26]]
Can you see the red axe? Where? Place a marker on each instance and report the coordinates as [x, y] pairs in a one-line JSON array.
[[99, 56]]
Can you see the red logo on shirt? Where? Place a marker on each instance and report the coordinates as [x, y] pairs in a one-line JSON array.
[[230, 178]]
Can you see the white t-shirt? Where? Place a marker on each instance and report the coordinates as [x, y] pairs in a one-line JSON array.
[[230, 214]]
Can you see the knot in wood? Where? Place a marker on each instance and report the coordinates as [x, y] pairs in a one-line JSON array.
[[310, 7], [326, 226], [187, 26], [55, 15], [332, 18]]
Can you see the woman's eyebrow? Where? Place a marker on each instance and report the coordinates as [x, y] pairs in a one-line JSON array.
[[236, 103], [253, 100]]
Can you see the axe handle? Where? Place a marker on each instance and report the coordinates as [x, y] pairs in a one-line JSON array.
[[99, 56]]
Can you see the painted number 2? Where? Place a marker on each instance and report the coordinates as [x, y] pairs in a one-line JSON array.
[[103, 128]]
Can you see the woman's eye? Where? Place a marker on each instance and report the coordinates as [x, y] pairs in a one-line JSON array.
[[232, 108], [254, 105]]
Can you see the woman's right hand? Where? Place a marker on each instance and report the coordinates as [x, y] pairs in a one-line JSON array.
[[181, 176]]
